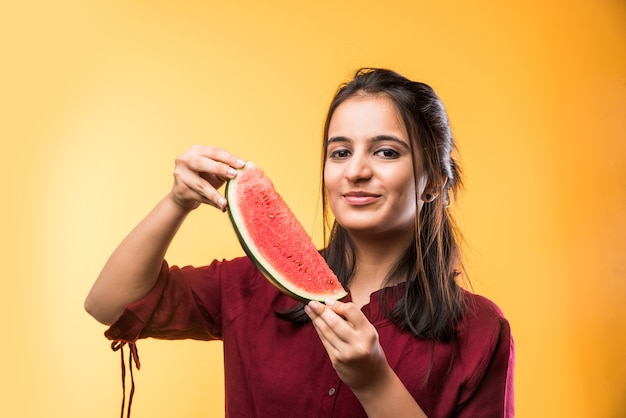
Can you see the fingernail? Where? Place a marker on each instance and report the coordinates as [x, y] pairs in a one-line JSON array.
[[231, 172], [329, 302], [241, 163], [222, 203], [313, 305]]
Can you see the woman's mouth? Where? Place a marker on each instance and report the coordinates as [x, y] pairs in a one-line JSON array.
[[359, 198]]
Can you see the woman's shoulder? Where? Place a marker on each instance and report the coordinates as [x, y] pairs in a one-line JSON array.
[[486, 346], [480, 306], [483, 318], [231, 270], [238, 278], [241, 263]]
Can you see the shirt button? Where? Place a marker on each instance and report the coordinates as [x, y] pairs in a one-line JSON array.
[[331, 391]]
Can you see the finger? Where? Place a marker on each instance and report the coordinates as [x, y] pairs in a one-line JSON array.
[[208, 194], [334, 328], [352, 314], [200, 171], [332, 344], [189, 186], [215, 172], [218, 154], [205, 191]]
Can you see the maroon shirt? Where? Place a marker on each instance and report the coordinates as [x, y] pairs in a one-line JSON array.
[[276, 368]]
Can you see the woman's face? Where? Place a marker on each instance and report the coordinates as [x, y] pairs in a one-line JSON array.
[[368, 172]]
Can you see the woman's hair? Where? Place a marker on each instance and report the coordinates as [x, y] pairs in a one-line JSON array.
[[431, 301]]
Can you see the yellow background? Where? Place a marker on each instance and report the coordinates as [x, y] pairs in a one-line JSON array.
[[98, 97]]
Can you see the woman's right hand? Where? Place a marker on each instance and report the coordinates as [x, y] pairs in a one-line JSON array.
[[199, 173], [134, 266]]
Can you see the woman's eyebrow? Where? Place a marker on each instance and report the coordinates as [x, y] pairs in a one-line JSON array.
[[338, 139], [382, 138], [377, 138]]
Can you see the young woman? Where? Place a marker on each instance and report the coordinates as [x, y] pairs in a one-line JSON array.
[[407, 341]]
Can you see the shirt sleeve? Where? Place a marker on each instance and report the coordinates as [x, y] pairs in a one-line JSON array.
[[185, 303], [493, 394]]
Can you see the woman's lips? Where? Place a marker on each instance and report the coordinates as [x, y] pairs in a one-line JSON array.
[[360, 198]]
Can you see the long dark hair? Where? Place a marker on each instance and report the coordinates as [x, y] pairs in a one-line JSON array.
[[432, 301]]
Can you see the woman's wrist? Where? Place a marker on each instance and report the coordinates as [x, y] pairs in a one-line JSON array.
[[376, 385], [183, 206], [387, 396]]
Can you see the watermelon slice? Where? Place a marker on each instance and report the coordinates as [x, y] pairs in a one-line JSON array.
[[275, 241]]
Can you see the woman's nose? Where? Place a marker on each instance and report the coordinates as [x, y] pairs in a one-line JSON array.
[[358, 168]]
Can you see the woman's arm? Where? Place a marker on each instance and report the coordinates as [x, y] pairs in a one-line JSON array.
[[134, 266], [355, 352]]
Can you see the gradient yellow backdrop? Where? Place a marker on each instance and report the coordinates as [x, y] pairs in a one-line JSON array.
[[97, 98]]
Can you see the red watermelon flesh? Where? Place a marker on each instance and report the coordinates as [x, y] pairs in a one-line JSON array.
[[274, 239]]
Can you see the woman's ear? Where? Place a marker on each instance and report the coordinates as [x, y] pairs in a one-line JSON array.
[[431, 193]]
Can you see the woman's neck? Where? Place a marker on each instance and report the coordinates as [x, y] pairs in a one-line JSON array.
[[374, 259]]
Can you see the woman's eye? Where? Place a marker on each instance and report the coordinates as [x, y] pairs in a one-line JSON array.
[[340, 153], [387, 153]]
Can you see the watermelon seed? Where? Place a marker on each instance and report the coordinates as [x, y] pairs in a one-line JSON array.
[[271, 215]]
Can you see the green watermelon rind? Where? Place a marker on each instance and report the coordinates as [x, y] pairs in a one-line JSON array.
[[264, 265]]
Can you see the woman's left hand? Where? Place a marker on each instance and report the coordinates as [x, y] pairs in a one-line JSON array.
[[355, 352], [351, 342]]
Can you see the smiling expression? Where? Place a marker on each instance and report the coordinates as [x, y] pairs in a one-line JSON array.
[[368, 172]]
